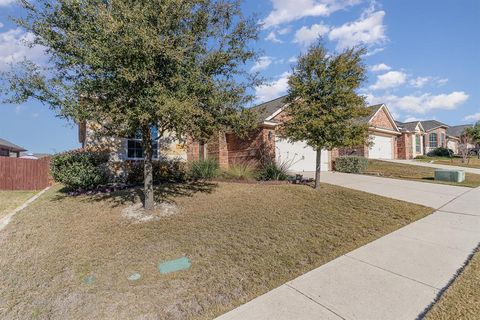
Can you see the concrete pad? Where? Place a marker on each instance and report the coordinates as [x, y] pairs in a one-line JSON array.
[[453, 220], [282, 303], [356, 290], [421, 261], [441, 234], [468, 203]]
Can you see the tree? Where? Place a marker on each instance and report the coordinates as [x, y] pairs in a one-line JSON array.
[[474, 134], [323, 102], [176, 65]]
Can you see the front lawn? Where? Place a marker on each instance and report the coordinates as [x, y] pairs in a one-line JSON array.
[[9, 200], [415, 173], [462, 299], [69, 257], [474, 162]]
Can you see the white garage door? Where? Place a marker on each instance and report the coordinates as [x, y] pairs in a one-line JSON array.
[[382, 147], [299, 156]]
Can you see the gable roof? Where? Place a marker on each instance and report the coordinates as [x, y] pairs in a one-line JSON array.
[[4, 144], [410, 126], [267, 109], [457, 131], [432, 124], [373, 111]]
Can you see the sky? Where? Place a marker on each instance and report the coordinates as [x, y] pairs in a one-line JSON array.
[[422, 60]]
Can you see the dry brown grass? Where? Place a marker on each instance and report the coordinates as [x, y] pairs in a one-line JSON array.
[[462, 299], [9, 200], [415, 173], [243, 240]]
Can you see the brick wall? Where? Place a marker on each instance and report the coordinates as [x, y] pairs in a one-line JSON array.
[[404, 146], [381, 120], [439, 132], [259, 144]]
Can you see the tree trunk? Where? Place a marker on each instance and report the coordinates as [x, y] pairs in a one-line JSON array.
[[149, 202], [317, 168]]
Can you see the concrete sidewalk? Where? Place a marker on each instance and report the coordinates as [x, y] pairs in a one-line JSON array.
[[394, 277], [434, 165]]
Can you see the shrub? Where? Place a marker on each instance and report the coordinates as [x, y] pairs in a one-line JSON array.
[[351, 164], [165, 170], [440, 152], [421, 157], [204, 169], [80, 169], [244, 170], [272, 170]]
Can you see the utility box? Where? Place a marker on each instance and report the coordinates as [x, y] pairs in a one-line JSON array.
[[450, 175]]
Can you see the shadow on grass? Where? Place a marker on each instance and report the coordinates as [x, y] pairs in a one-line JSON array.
[[166, 192]]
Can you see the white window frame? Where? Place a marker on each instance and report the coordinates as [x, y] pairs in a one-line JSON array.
[[155, 156]]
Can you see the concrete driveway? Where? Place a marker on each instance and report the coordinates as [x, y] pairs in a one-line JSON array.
[[395, 277], [434, 165]]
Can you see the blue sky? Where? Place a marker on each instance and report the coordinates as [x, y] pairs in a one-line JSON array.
[[423, 59]]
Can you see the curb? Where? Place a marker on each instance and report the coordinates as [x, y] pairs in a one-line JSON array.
[[6, 220]]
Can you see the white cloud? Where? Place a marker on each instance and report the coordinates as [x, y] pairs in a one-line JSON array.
[[4, 3], [285, 11], [421, 104], [473, 117], [390, 79], [13, 48], [410, 118], [419, 82], [272, 35], [305, 35], [261, 64], [368, 30], [374, 51], [1, 25], [293, 59], [380, 67], [442, 82], [273, 89]]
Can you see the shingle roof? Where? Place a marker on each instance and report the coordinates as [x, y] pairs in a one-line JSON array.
[[373, 109], [432, 124], [10, 146], [266, 109], [407, 126], [457, 131]]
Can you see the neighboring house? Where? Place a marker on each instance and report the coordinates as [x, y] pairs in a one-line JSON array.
[[8, 149], [34, 156], [453, 137], [435, 135]]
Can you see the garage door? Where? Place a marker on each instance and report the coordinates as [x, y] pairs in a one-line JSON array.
[[382, 147], [299, 156]]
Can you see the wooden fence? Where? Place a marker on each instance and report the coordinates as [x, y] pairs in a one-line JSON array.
[[24, 174]]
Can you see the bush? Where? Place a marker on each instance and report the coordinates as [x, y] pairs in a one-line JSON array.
[[80, 169], [440, 152], [421, 157], [274, 171], [351, 164], [163, 171], [204, 169], [245, 170]]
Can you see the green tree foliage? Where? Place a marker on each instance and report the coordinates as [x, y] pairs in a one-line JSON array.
[[474, 134], [174, 64], [324, 105]]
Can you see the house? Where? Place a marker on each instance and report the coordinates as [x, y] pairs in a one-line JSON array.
[[8, 149], [453, 137], [435, 135], [33, 156], [411, 142]]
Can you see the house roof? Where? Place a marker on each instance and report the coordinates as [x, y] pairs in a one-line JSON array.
[[4, 144], [408, 126], [366, 119], [35, 155], [266, 109], [457, 131], [432, 124]]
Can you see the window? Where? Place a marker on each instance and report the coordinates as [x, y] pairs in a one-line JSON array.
[[433, 142], [135, 148], [418, 144]]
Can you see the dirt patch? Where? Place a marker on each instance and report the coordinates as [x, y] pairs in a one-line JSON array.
[[137, 213]]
